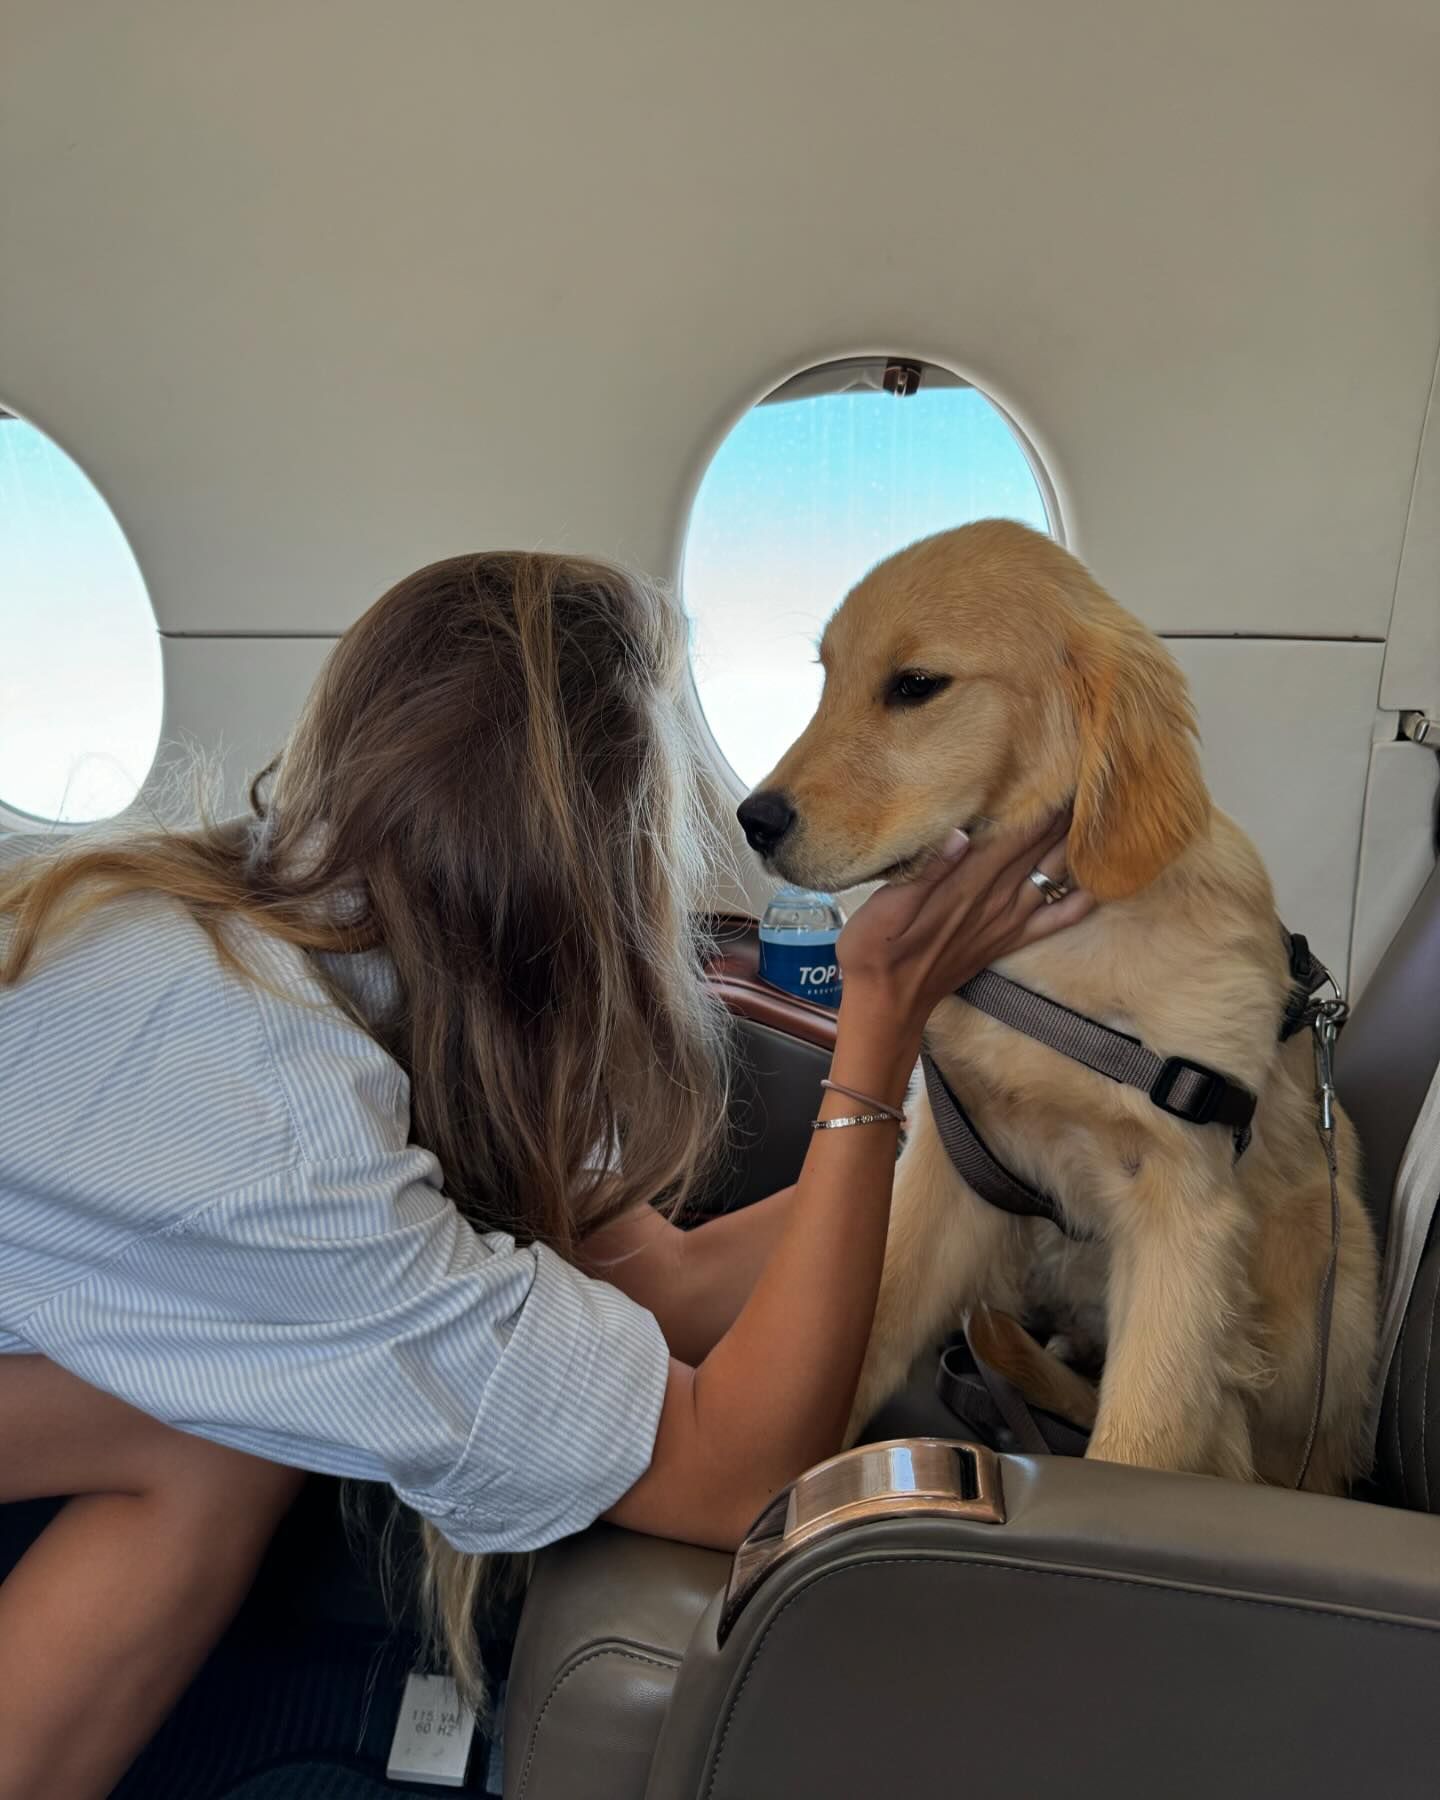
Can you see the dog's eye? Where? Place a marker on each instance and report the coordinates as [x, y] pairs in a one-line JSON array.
[[910, 687]]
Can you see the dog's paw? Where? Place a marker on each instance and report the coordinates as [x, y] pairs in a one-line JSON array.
[[1078, 1350]]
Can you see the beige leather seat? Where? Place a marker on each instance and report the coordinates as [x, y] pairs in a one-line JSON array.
[[1120, 1633]]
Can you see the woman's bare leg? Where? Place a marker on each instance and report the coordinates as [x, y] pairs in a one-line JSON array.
[[115, 1605]]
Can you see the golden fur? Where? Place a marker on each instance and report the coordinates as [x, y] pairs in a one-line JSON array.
[[1205, 1273]]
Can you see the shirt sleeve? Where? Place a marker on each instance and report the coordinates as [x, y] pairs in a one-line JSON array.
[[504, 1395], [240, 1240]]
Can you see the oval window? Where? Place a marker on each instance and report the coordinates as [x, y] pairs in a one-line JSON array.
[[80, 677], [825, 477]]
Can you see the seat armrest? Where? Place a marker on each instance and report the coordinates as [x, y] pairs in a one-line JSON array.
[[1121, 1632], [604, 1625]]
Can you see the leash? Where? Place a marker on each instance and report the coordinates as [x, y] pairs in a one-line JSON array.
[[1329, 1017], [1324, 1018], [1187, 1090]]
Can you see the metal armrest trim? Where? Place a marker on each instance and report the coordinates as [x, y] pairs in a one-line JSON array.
[[935, 1478]]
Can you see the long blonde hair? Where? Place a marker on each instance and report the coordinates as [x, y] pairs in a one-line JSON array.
[[493, 781]]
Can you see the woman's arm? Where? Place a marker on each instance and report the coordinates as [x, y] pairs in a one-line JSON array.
[[695, 1282], [773, 1395]]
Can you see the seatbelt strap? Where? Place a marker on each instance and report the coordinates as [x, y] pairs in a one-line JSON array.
[[989, 1405]]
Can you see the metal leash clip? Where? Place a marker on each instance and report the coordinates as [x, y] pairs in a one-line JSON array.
[[1330, 1015]]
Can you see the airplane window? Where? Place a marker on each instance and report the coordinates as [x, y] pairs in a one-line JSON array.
[[80, 676], [816, 484]]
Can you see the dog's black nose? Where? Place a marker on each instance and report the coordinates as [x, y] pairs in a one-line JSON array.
[[765, 817]]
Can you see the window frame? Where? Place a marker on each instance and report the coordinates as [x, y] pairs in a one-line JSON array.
[[15, 819], [813, 378]]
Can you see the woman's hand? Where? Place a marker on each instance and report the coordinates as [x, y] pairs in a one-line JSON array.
[[912, 943]]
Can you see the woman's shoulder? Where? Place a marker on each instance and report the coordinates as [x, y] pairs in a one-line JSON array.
[[142, 939], [155, 942], [236, 1016], [134, 1047]]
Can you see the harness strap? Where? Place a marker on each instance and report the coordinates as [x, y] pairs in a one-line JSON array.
[[1308, 974], [1189, 1090], [975, 1163]]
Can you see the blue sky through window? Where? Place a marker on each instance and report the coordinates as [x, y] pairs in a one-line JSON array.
[[801, 499], [80, 675]]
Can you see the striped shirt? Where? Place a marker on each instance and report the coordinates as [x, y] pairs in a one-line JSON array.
[[210, 1206]]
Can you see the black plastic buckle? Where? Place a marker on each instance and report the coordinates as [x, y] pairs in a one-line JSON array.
[[1197, 1112]]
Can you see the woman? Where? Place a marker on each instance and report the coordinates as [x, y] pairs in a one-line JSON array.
[[304, 1122]]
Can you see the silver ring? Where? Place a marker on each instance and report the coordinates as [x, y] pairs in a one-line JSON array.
[[1050, 891]]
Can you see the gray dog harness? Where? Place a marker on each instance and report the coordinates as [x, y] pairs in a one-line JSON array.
[[1186, 1090]]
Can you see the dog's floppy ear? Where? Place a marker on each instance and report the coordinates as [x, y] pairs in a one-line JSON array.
[[1139, 795]]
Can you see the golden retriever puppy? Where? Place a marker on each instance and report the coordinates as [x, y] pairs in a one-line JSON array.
[[982, 678]]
